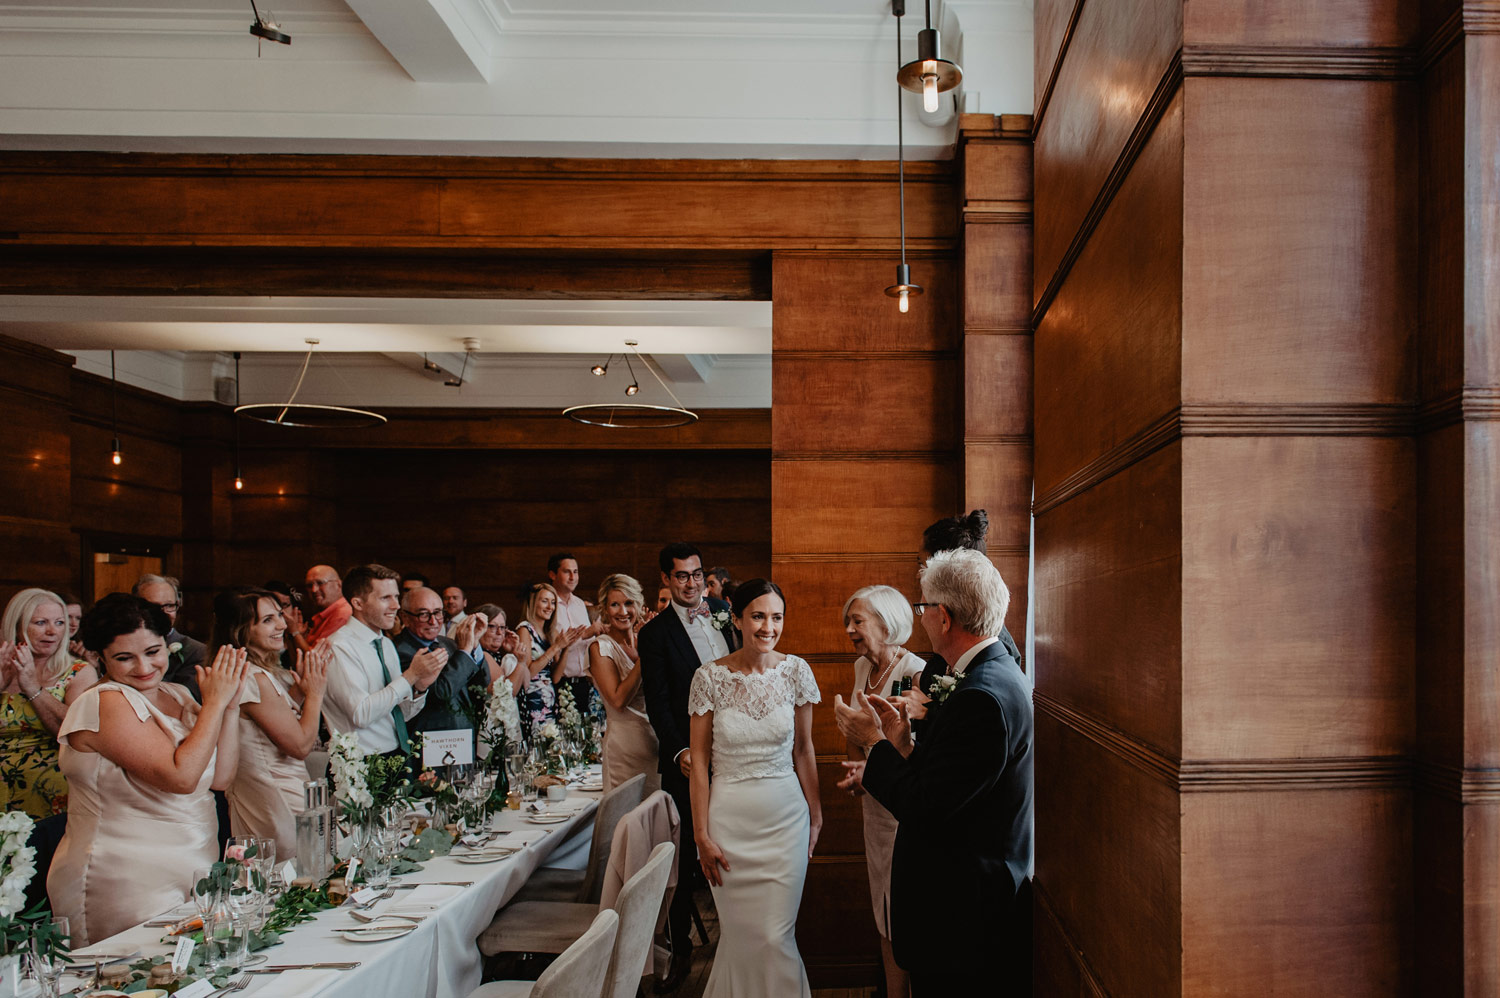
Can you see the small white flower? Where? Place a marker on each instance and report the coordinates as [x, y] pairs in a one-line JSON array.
[[720, 620], [174, 647]]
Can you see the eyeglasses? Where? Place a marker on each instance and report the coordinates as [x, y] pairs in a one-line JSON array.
[[682, 578], [424, 616], [168, 607], [921, 608]]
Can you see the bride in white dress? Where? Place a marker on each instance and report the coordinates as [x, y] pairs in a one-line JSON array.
[[757, 820]]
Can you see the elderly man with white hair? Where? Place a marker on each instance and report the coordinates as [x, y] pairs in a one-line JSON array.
[[960, 887]]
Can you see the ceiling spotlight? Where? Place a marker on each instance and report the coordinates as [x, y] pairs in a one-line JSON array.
[[600, 370], [266, 28], [634, 387]]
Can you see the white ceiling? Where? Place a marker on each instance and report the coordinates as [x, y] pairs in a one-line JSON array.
[[694, 78]]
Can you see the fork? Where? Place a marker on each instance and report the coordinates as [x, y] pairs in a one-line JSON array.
[[389, 893], [232, 987], [364, 917]]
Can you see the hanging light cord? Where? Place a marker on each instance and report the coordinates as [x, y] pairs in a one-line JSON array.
[[659, 381], [901, 139], [297, 387], [114, 397]]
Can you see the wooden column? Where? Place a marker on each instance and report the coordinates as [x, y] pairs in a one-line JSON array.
[[1457, 832], [37, 544], [995, 151], [1226, 310], [864, 454]]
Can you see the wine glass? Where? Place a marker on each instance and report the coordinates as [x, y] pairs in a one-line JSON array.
[[205, 898], [46, 966]]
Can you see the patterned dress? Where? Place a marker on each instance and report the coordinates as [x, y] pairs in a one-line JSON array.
[[30, 779], [538, 696]]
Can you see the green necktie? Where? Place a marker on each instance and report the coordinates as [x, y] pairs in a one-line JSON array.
[[403, 740]]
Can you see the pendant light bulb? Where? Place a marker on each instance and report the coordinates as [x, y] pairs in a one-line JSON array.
[[114, 451], [239, 483], [633, 389], [903, 289], [598, 370], [904, 301], [929, 88]]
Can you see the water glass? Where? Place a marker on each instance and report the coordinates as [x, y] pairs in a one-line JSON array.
[[204, 901], [228, 942], [48, 969]]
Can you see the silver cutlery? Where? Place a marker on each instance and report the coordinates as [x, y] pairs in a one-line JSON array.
[[436, 883], [388, 893], [365, 917], [232, 987], [280, 968]]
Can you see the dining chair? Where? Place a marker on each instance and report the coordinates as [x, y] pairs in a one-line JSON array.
[[557, 884], [582, 971]]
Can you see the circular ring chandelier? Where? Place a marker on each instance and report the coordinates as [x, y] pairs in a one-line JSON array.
[[632, 415], [309, 415]]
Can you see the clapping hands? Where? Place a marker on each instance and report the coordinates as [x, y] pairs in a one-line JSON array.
[[222, 684], [466, 635], [868, 719], [312, 670]]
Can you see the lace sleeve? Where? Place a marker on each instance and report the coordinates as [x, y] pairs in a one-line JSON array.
[[804, 686], [701, 693]]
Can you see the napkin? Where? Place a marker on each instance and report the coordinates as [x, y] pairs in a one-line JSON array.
[[294, 983]]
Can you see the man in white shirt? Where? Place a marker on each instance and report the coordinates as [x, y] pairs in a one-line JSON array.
[[455, 608], [368, 693], [572, 611]]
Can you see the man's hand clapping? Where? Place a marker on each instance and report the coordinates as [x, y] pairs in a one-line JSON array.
[[425, 667]]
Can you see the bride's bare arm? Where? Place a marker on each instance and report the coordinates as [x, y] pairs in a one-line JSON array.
[[805, 761], [701, 740]]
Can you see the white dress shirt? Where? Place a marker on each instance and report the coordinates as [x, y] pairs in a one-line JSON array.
[[707, 641], [574, 613], [359, 700], [455, 621], [957, 669]]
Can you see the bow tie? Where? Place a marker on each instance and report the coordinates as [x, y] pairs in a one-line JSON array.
[[701, 610]]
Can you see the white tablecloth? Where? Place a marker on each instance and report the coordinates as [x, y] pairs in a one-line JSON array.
[[439, 959]]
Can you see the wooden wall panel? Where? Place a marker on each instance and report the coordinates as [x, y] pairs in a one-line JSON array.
[[1318, 881], [1118, 56], [1288, 542], [1108, 858], [856, 506], [880, 402], [1109, 578], [1260, 284], [1274, 23], [1111, 341]]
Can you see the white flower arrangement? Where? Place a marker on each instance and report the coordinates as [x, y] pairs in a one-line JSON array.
[[346, 760], [17, 861], [502, 719], [720, 619]]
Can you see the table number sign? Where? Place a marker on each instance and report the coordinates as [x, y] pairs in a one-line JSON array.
[[454, 747]]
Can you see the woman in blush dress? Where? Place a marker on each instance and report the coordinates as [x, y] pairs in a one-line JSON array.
[[141, 757], [629, 741], [278, 716], [756, 822], [497, 645], [878, 619]]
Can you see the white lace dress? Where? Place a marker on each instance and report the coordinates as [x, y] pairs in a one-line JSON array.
[[758, 816]]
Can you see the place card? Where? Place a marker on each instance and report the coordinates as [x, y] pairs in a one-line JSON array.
[[182, 954], [454, 747], [201, 988], [350, 872], [364, 895], [288, 872]]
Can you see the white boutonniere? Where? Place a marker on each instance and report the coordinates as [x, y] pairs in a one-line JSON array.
[[174, 647], [942, 687], [720, 620]]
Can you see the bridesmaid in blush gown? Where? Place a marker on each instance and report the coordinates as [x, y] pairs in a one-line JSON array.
[[629, 740], [757, 820], [141, 758], [278, 716]]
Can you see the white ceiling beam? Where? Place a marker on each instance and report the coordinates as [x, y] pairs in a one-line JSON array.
[[685, 368], [435, 41]]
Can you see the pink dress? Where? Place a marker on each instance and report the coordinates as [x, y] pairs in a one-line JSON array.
[[130, 850], [267, 787]]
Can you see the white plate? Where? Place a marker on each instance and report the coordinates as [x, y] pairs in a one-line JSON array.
[[84, 956], [547, 819], [376, 932], [588, 787]]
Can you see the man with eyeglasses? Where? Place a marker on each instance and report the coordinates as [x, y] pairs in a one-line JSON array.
[[326, 590], [183, 652], [448, 704], [694, 629]]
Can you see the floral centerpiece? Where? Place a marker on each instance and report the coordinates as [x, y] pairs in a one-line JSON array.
[[500, 728], [546, 741], [575, 730], [366, 786], [20, 930]]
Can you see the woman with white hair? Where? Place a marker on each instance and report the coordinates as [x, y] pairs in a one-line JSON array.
[[35, 668], [878, 620]]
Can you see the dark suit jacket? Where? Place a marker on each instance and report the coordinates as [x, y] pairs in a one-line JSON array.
[[448, 696], [668, 661], [180, 663], [964, 800], [936, 667]]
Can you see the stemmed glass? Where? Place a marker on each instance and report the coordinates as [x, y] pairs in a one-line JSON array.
[[47, 967]]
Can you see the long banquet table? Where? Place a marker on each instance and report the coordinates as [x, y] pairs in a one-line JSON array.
[[440, 958]]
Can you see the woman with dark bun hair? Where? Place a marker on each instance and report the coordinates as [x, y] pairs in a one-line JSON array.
[[141, 757], [757, 821]]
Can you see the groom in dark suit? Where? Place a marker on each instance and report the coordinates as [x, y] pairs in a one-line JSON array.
[[693, 629], [960, 873]]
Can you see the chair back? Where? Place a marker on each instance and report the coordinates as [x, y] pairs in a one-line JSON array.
[[583, 968], [612, 807], [639, 901]]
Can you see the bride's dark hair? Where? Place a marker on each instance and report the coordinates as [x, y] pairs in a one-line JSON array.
[[751, 590], [955, 532]]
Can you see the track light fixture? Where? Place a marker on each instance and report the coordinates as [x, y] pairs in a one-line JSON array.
[[267, 29], [929, 74], [600, 370], [634, 387], [632, 415]]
